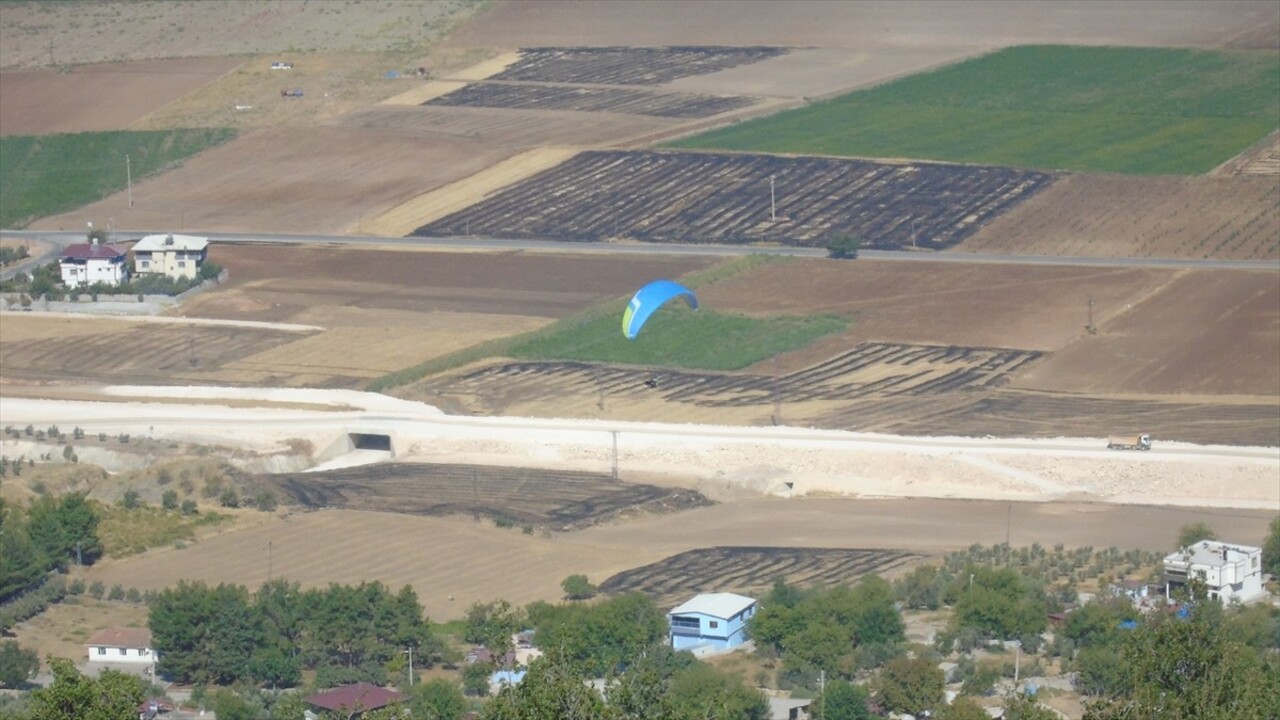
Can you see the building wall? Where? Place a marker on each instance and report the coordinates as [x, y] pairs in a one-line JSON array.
[[140, 656], [75, 274], [171, 263], [720, 633]]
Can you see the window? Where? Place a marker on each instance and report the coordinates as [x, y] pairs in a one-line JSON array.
[[102, 651], [124, 651], [145, 264], [182, 263], [714, 623]]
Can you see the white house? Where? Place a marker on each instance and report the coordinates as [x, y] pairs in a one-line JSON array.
[[1229, 572], [711, 620], [175, 256], [89, 263], [123, 646]]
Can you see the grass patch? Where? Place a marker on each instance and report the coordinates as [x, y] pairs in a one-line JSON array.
[[43, 175], [506, 347], [676, 336], [1105, 109], [125, 532]]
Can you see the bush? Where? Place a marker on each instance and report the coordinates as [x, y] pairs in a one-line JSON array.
[[76, 587], [265, 500], [169, 500], [843, 247], [229, 498], [97, 589], [116, 594]]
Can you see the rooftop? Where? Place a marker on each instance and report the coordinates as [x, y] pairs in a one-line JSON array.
[[350, 698], [718, 605], [90, 251], [121, 638], [170, 241], [1211, 553]]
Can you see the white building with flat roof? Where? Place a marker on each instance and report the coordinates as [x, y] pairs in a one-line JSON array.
[[1229, 572]]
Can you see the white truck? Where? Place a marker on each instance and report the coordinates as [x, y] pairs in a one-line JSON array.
[[1129, 442]]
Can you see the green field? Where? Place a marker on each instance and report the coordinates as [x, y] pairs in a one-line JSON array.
[[1106, 109], [679, 337], [44, 175]]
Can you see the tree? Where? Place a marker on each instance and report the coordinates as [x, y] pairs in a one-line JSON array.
[[475, 678], [1271, 549], [65, 529], [72, 696], [492, 625], [706, 693], [842, 700], [169, 500], [17, 664], [1195, 532], [910, 685], [842, 247], [203, 634], [438, 699], [1024, 707], [576, 587], [962, 708], [551, 689], [1182, 669], [21, 562]]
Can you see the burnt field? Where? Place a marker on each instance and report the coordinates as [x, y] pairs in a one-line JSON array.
[[750, 569], [628, 65], [868, 370], [724, 198], [554, 499], [589, 99]]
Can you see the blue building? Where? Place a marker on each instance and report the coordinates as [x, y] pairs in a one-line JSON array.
[[711, 620]]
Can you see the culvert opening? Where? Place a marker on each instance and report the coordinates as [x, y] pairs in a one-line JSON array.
[[368, 441]]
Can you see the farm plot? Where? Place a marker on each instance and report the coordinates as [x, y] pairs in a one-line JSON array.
[[555, 499], [589, 99], [869, 370], [1119, 216], [752, 569], [144, 353], [695, 197], [628, 65]]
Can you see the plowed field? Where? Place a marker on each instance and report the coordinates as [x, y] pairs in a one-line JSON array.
[[752, 570], [588, 99], [1123, 216]]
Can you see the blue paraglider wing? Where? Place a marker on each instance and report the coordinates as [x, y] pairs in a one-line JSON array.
[[648, 300]]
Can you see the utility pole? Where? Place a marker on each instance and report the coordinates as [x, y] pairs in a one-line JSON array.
[[822, 686], [773, 214], [268, 561], [410, 651], [128, 176], [1008, 524], [777, 394], [615, 454], [1090, 326]]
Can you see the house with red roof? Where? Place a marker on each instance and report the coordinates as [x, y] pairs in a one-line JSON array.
[[351, 701], [126, 649], [89, 263]]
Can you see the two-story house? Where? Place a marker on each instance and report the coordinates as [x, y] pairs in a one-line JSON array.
[[89, 263], [175, 256], [711, 620], [1229, 572]]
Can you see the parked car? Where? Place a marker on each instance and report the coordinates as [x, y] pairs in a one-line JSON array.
[[281, 66]]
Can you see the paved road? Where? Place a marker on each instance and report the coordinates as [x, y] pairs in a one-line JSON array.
[[498, 244]]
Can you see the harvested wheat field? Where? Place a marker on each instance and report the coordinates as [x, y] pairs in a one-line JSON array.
[[1226, 218], [453, 562]]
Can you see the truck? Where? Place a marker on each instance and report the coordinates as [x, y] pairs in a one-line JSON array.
[[1129, 442]]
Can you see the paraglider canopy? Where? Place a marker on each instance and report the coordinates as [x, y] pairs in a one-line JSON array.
[[648, 299]]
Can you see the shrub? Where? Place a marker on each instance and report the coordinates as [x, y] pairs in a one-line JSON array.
[[97, 589], [116, 594]]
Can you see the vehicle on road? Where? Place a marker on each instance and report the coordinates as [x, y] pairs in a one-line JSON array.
[[1129, 442]]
